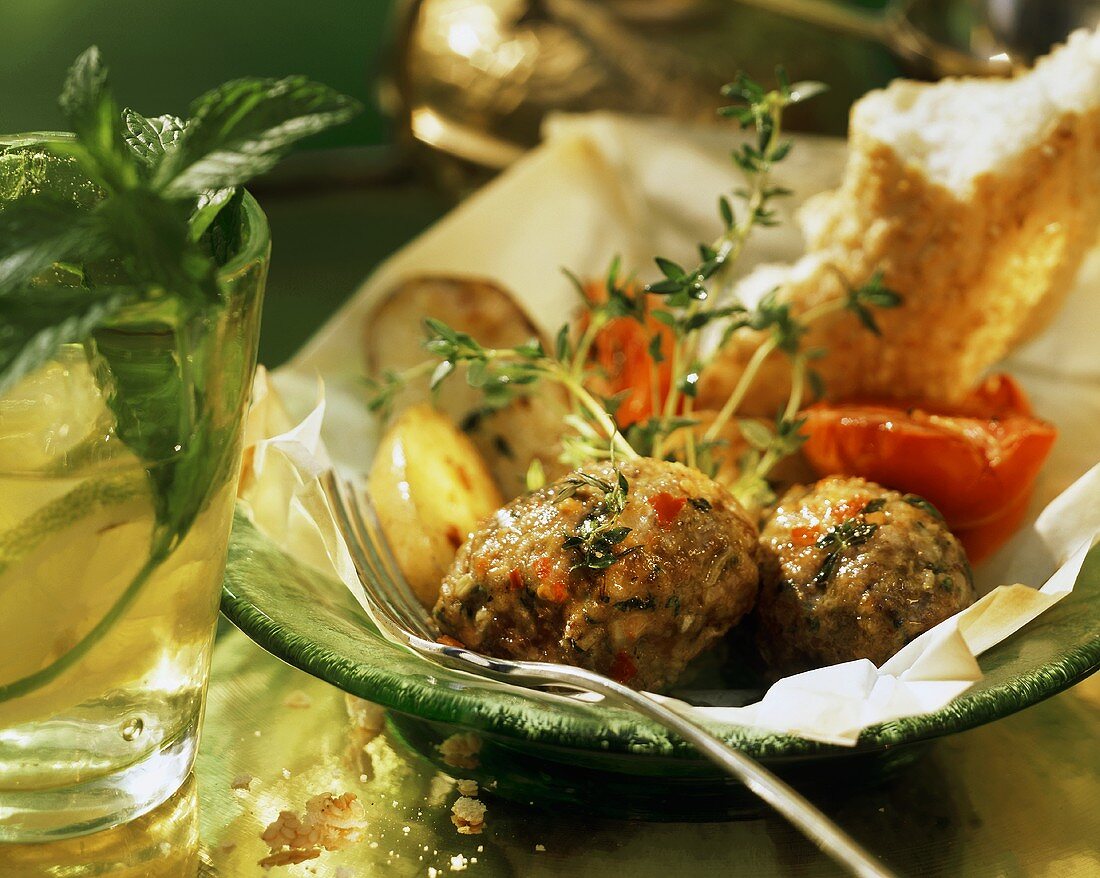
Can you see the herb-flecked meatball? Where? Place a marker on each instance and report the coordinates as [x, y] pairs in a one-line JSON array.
[[630, 570], [851, 570]]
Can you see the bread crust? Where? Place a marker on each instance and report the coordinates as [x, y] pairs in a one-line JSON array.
[[979, 271]]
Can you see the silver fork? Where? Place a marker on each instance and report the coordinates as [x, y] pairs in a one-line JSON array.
[[401, 619]]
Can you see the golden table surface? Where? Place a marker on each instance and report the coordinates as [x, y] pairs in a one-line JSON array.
[[1019, 797]]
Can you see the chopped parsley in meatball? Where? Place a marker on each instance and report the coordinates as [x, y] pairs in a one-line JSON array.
[[851, 570], [630, 570]]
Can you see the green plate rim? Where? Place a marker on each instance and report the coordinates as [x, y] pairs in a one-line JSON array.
[[620, 731]]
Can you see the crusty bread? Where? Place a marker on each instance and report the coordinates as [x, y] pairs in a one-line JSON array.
[[977, 198]]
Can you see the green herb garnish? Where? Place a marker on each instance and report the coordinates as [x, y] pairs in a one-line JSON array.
[[689, 300], [599, 533], [162, 217], [919, 502], [848, 535]]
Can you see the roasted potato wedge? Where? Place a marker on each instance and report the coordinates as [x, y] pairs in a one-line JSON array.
[[508, 439], [431, 488]]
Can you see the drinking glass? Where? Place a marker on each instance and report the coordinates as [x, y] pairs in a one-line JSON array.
[[119, 460]]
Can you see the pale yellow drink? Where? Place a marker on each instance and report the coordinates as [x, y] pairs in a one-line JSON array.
[[113, 537]]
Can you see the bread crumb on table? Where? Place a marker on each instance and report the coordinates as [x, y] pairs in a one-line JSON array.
[[461, 750], [365, 716], [467, 788], [297, 700], [330, 822], [242, 782], [468, 816], [290, 857]]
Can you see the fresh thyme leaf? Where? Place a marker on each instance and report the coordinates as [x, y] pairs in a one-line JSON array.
[[635, 603], [872, 294], [847, 535], [670, 269], [725, 209], [445, 368], [924, 505], [599, 533], [817, 383], [689, 383], [242, 128], [655, 347], [562, 348], [803, 91], [755, 433]]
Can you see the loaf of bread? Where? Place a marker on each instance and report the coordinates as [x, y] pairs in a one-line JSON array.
[[977, 198]]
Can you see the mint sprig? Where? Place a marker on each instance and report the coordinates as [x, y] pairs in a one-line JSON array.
[[167, 218], [164, 183]]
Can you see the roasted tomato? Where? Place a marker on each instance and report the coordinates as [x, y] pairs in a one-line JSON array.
[[976, 462], [622, 352]]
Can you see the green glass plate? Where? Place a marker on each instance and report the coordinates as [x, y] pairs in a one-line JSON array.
[[602, 759]]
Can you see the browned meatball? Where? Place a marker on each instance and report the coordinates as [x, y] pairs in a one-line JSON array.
[[635, 604], [851, 570]]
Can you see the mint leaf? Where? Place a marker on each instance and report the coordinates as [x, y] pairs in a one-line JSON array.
[[244, 127], [150, 139], [36, 322], [222, 214], [91, 112], [37, 232], [209, 208]]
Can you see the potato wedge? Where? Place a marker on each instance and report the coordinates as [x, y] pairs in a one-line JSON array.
[[431, 488], [508, 439]]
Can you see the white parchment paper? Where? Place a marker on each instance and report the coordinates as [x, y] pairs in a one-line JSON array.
[[602, 185]]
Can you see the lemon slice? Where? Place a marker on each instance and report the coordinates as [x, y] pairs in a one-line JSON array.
[[54, 413]]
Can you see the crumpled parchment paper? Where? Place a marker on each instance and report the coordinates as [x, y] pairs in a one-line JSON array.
[[602, 185]]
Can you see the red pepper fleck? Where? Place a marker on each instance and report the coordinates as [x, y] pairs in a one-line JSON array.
[[554, 591], [543, 567], [481, 566], [623, 669], [846, 509], [515, 579], [446, 640], [667, 507], [805, 536]]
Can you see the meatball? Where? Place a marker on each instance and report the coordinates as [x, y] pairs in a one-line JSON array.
[[851, 570], [562, 575]]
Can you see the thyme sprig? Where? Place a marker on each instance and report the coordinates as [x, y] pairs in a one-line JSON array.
[[686, 300], [599, 534], [502, 374], [688, 292]]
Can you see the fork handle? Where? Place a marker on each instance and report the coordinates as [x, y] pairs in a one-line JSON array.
[[806, 817]]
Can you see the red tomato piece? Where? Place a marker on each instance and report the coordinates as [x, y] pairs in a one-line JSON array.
[[667, 506], [622, 351], [805, 536], [976, 462]]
